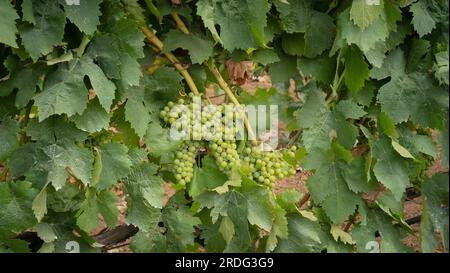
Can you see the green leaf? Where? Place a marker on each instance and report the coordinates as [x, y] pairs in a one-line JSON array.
[[265, 56], [118, 50], [199, 49], [206, 178], [8, 17], [443, 138], [260, 208], [364, 234], [159, 141], [226, 229], [25, 89], [352, 34], [48, 31], [401, 150], [413, 96], [339, 202], [64, 93], [27, 11], [295, 15], [232, 204], [387, 126], [288, 200], [364, 12], [319, 35], [54, 130], [440, 67], [94, 118], [284, 69], [9, 137], [85, 16], [78, 160], [115, 163], [180, 224], [349, 109], [104, 89], [164, 83], [241, 23], [304, 236], [145, 242], [40, 204], [45, 232], [422, 20], [322, 126], [356, 70], [393, 66], [143, 182], [435, 213], [320, 68], [136, 111], [205, 10], [390, 169], [15, 206], [103, 203], [279, 230]]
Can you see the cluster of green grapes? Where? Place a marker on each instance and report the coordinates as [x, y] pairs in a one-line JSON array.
[[184, 161], [225, 153], [268, 166], [265, 166]]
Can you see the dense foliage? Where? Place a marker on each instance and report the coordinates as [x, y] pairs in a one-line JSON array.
[[83, 86]]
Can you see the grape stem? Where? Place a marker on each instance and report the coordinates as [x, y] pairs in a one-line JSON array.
[[303, 200], [223, 84], [151, 37], [180, 24]]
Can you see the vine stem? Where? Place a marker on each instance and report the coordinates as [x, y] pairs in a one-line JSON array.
[[303, 200], [337, 80], [180, 24], [223, 84], [349, 223], [151, 37]]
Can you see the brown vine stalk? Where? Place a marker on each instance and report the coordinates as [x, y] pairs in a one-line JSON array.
[[151, 37]]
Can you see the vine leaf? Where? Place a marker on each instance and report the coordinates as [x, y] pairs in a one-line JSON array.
[[15, 203], [434, 214], [363, 12], [94, 204], [39, 205], [304, 236], [85, 16], [64, 93], [9, 137], [390, 169], [241, 23], [8, 17], [115, 163], [412, 96], [48, 30], [356, 70], [199, 49], [422, 20]]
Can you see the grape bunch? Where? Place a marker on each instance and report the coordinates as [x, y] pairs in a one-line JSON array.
[[268, 166], [184, 162], [265, 166]]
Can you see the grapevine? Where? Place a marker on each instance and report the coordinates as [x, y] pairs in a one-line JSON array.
[[224, 125]]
